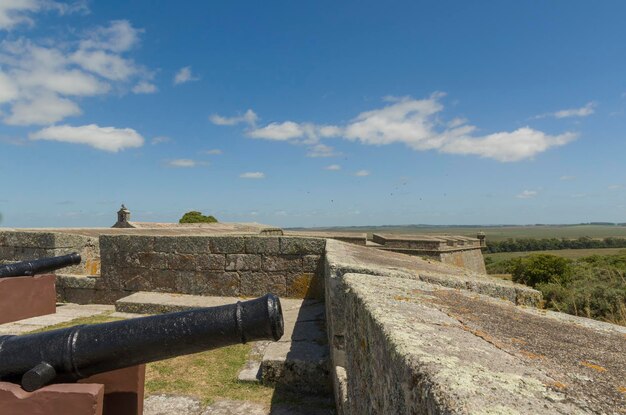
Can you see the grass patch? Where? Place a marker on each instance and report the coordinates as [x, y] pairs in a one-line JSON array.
[[208, 376], [97, 319]]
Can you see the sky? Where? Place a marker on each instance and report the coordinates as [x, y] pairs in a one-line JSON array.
[[324, 113]]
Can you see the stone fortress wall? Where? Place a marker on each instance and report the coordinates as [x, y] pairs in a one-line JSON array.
[[405, 334]]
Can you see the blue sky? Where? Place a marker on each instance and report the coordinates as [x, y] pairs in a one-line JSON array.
[[312, 113]]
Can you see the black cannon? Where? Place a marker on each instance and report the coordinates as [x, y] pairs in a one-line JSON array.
[[39, 266], [66, 355]]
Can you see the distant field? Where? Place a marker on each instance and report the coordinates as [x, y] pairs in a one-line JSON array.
[[565, 253], [496, 233]]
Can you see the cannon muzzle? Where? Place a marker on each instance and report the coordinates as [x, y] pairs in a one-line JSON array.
[[66, 355], [39, 266]]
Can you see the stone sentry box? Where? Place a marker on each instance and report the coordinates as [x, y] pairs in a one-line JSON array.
[[244, 266]]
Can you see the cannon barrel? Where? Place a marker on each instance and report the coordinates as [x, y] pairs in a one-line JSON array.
[[39, 266], [66, 355]]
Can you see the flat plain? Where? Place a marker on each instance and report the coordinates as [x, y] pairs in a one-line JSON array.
[[494, 233]]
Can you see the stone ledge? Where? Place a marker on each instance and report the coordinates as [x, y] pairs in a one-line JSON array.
[[413, 347], [344, 258]]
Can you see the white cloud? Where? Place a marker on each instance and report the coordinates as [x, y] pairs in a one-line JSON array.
[[40, 81], [566, 178], [186, 163], [362, 173], [527, 194], [321, 150], [8, 89], [214, 152], [523, 143], [252, 175], [102, 138], [160, 139], [615, 187], [249, 118], [585, 111], [278, 131], [184, 75], [144, 87], [105, 64], [16, 12], [417, 124], [119, 36], [333, 167], [46, 109]]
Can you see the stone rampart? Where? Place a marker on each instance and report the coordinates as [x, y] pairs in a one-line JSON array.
[[406, 334], [416, 336], [26, 245], [214, 265]]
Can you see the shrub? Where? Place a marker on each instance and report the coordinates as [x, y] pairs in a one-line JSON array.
[[196, 217], [540, 268]]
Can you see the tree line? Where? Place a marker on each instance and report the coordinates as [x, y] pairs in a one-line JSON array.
[[549, 244]]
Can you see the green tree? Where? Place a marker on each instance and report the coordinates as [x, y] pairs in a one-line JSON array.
[[196, 217], [540, 268]]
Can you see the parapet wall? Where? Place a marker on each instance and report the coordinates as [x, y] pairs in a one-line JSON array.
[[419, 337], [214, 265]]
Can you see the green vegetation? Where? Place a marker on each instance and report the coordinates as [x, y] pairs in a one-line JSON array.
[[196, 217], [533, 244], [208, 376], [592, 286], [494, 262]]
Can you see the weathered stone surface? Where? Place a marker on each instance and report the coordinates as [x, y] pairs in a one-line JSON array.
[[262, 245], [283, 263], [299, 365], [413, 347], [211, 262], [170, 405], [156, 303], [312, 263], [242, 262], [182, 244], [227, 245], [254, 283], [302, 246], [222, 283], [182, 262], [304, 285]]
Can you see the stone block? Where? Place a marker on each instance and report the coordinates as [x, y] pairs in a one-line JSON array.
[[304, 285], [7, 253], [254, 283], [262, 245], [182, 262], [242, 262], [291, 263], [211, 262], [183, 244], [312, 263], [228, 245], [152, 260], [302, 246], [222, 284]]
